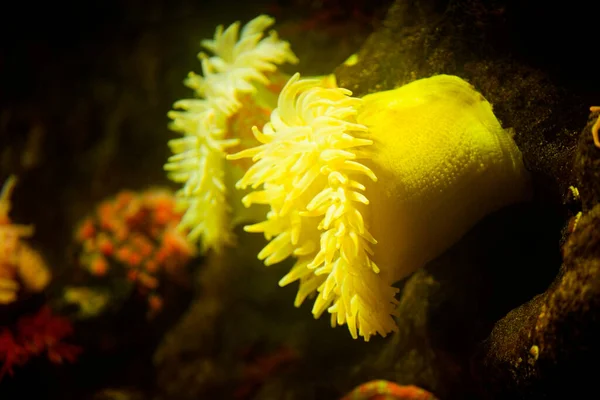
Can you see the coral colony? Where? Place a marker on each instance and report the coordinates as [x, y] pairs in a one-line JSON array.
[[136, 233]]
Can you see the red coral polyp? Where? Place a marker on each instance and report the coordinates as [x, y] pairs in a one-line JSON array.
[[33, 336]]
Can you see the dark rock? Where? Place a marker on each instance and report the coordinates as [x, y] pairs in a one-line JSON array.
[[548, 347], [448, 307]]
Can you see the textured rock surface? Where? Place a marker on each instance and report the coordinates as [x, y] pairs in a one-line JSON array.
[[548, 347], [449, 306]]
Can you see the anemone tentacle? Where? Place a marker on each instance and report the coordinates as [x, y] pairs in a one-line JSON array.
[[311, 175]]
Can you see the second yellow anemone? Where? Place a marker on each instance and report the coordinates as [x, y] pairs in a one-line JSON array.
[[239, 83]]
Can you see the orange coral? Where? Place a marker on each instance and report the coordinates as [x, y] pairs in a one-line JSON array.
[[137, 232], [385, 390], [20, 265]]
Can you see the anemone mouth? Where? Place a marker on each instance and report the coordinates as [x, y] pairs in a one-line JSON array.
[[240, 61], [309, 171]]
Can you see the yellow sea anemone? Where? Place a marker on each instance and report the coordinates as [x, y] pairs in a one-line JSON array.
[[364, 191], [242, 70]]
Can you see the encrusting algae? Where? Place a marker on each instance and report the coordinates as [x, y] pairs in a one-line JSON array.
[[364, 191]]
